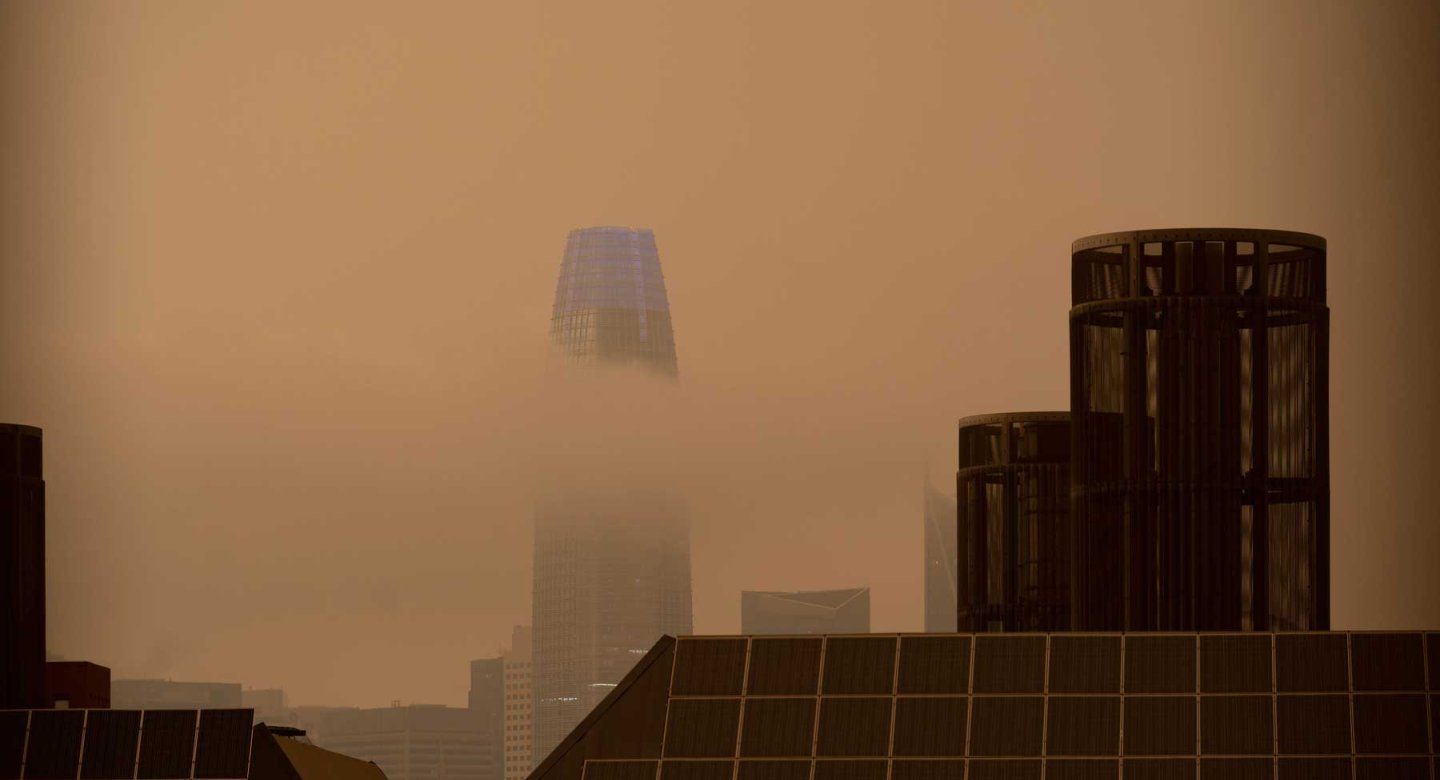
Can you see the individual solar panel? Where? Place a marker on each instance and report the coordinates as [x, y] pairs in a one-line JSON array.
[[1236, 769], [1388, 662], [696, 770], [1314, 769], [1313, 725], [781, 666], [1084, 664], [850, 770], [111, 739], [702, 728], [1311, 663], [927, 770], [1159, 725], [854, 727], [1007, 726], [53, 752], [859, 665], [1083, 726], [223, 747], [1235, 664], [1391, 768], [934, 664], [167, 744], [1082, 769], [1157, 769], [930, 726], [774, 770], [1432, 652], [778, 727], [1009, 664], [1004, 770], [1391, 723], [1236, 725], [709, 667], [619, 770], [1435, 723], [12, 742], [1159, 664]]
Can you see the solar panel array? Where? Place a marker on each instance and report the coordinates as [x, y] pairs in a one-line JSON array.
[[125, 744], [1313, 705]]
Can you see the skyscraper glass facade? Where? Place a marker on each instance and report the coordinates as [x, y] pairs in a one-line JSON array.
[[610, 302]]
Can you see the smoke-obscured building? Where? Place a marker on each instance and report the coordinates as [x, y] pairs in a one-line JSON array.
[[845, 611], [519, 706], [611, 561], [417, 742], [940, 561], [173, 695], [610, 301], [22, 568]]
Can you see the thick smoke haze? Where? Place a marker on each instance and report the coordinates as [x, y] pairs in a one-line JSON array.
[[276, 280]]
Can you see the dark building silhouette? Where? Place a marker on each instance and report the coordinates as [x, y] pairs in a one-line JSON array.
[[940, 561], [77, 684], [1065, 706], [1199, 365], [101, 744], [488, 702], [1013, 496], [610, 301], [22, 568], [844, 611]]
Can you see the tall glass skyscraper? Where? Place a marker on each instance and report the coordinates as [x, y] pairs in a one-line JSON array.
[[610, 303], [612, 555]]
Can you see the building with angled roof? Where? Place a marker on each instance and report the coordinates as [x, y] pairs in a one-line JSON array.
[[844, 611], [1063, 706]]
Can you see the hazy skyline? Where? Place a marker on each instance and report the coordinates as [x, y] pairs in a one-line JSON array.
[[276, 281]]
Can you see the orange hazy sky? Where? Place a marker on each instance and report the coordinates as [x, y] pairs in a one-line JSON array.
[[276, 279]]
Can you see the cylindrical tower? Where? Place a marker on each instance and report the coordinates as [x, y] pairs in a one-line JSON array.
[[1013, 500], [22, 568], [1199, 388]]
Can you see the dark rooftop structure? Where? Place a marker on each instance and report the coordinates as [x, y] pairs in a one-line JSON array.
[[1063, 706], [22, 567], [101, 744]]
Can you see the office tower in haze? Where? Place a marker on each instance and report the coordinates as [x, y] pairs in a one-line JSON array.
[[610, 302], [844, 611], [519, 706], [612, 550], [22, 568], [1199, 362], [940, 555]]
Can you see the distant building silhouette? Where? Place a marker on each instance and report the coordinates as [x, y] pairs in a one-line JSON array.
[[519, 706], [173, 695], [77, 684], [1013, 490], [940, 561], [417, 742], [1199, 387], [22, 567], [612, 563], [487, 703], [844, 611], [610, 301]]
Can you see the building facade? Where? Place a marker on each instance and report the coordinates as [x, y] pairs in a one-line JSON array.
[[1062, 706], [940, 561], [417, 742], [1013, 490], [612, 575], [1199, 392], [844, 611], [519, 734], [172, 695], [611, 561], [610, 302], [22, 567]]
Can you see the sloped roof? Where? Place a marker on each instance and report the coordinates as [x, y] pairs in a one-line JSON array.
[[281, 758]]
